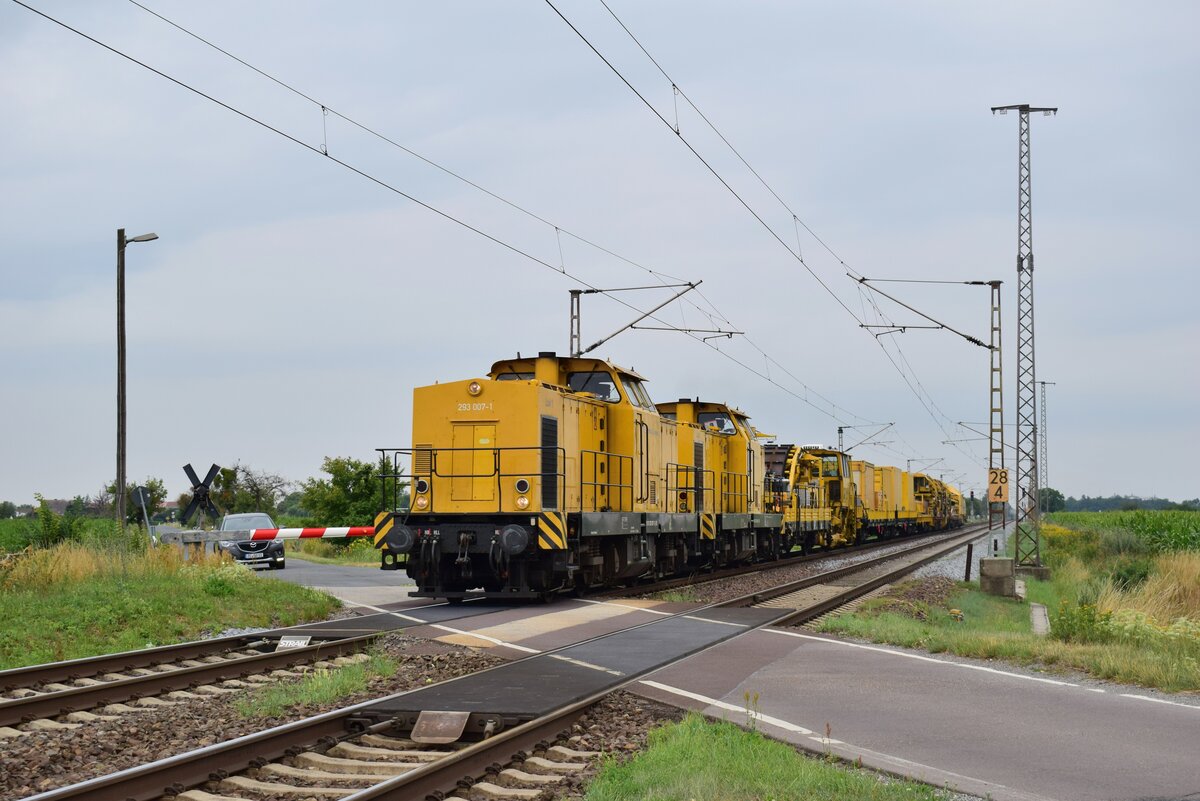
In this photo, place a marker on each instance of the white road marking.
(1159, 701)
(485, 638)
(776, 722)
(589, 665)
(384, 611)
(920, 658)
(718, 622)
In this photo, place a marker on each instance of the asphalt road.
(355, 586)
(981, 727)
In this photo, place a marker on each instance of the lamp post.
(122, 241)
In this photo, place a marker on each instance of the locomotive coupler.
(465, 538)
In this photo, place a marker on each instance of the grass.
(999, 628)
(697, 760)
(360, 552)
(13, 535)
(1124, 603)
(78, 599)
(321, 686)
(680, 595)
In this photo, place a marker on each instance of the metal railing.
(689, 489)
(426, 465)
(599, 482)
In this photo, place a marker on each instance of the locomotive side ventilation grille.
(422, 460)
(549, 462)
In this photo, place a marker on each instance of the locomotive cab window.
(829, 466)
(514, 376)
(628, 384)
(600, 384)
(639, 389)
(716, 421)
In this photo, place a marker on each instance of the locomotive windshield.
(716, 421)
(515, 376)
(636, 393)
(829, 466)
(600, 384)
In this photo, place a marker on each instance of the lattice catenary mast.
(1043, 441)
(997, 510)
(1028, 516)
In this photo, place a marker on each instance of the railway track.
(811, 597)
(720, 574)
(400, 747)
(64, 695)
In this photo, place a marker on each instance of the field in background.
(1124, 603)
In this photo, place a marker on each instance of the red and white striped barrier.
(329, 533)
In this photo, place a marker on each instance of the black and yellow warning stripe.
(383, 524)
(708, 526)
(552, 531)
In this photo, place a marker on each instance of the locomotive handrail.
(699, 502)
(592, 459)
(496, 471)
(735, 495)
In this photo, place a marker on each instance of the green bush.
(1129, 573)
(1080, 623)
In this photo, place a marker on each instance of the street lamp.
(122, 241)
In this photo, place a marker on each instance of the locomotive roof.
(576, 362)
(732, 409)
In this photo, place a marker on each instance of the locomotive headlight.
(422, 486)
(522, 486)
(474, 388)
(421, 502)
(522, 502)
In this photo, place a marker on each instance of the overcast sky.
(291, 305)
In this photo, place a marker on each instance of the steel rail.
(946, 546)
(125, 660)
(697, 579)
(818, 608)
(59, 702)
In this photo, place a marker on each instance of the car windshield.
(246, 522)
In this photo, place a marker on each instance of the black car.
(252, 553)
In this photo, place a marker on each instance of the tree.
(156, 493)
(349, 497)
(292, 505)
(1051, 500)
(7, 509)
(242, 489)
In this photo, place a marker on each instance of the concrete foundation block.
(1004, 586)
(997, 566)
(1041, 573)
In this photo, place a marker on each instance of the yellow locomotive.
(555, 474)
